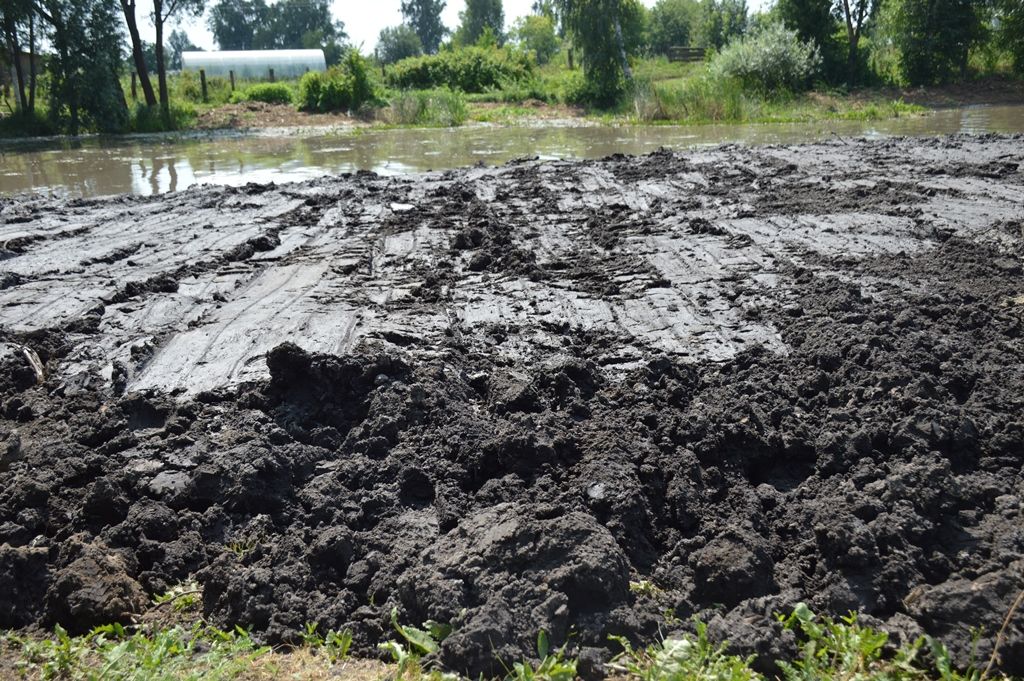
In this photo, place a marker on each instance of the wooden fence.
(686, 53)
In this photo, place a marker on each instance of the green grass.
(111, 653)
(706, 99)
(829, 650)
(427, 108)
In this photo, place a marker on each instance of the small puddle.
(101, 166)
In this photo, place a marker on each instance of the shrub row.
(345, 87)
(470, 69)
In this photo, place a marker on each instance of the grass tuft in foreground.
(829, 650)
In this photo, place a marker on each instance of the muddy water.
(99, 167)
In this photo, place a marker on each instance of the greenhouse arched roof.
(255, 64)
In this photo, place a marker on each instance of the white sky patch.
(363, 19)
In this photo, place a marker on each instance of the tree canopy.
(288, 24)
(672, 23)
(536, 33)
(424, 16)
(934, 37)
(479, 16)
(397, 43)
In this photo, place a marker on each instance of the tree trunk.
(851, 58)
(128, 6)
(12, 41)
(31, 62)
(161, 69)
(628, 72)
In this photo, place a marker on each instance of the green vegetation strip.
(829, 650)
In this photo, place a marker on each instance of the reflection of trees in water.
(158, 164)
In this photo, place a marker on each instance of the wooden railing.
(686, 53)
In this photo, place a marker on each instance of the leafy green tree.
(721, 21)
(284, 25)
(85, 64)
(398, 43)
(425, 18)
(536, 33)
(238, 24)
(13, 14)
(855, 15)
(1010, 34)
(296, 24)
(811, 19)
(479, 16)
(672, 24)
(605, 31)
(814, 21)
(164, 11)
(179, 42)
(934, 37)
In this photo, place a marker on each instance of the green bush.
(773, 58)
(470, 69)
(148, 119)
(345, 87)
(21, 124)
(271, 93)
(442, 108)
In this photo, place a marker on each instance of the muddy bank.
(496, 397)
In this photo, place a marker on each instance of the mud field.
(498, 396)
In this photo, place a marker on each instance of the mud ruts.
(748, 376)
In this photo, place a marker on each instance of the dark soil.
(750, 377)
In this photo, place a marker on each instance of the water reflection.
(96, 167)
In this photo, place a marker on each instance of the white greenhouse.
(255, 64)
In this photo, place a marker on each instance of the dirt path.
(748, 376)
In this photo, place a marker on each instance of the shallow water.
(95, 167)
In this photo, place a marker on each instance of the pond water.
(100, 166)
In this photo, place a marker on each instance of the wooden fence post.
(231, 75)
(271, 75)
(202, 82)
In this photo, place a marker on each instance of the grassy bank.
(824, 650)
(662, 93)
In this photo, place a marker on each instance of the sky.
(363, 19)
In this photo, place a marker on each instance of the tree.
(722, 20)
(288, 24)
(238, 24)
(301, 24)
(138, 55)
(934, 37)
(85, 64)
(672, 24)
(163, 10)
(179, 42)
(1010, 34)
(425, 18)
(398, 43)
(600, 28)
(536, 33)
(855, 14)
(12, 14)
(479, 16)
(814, 20)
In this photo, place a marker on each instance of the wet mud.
(748, 377)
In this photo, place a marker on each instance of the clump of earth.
(569, 396)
